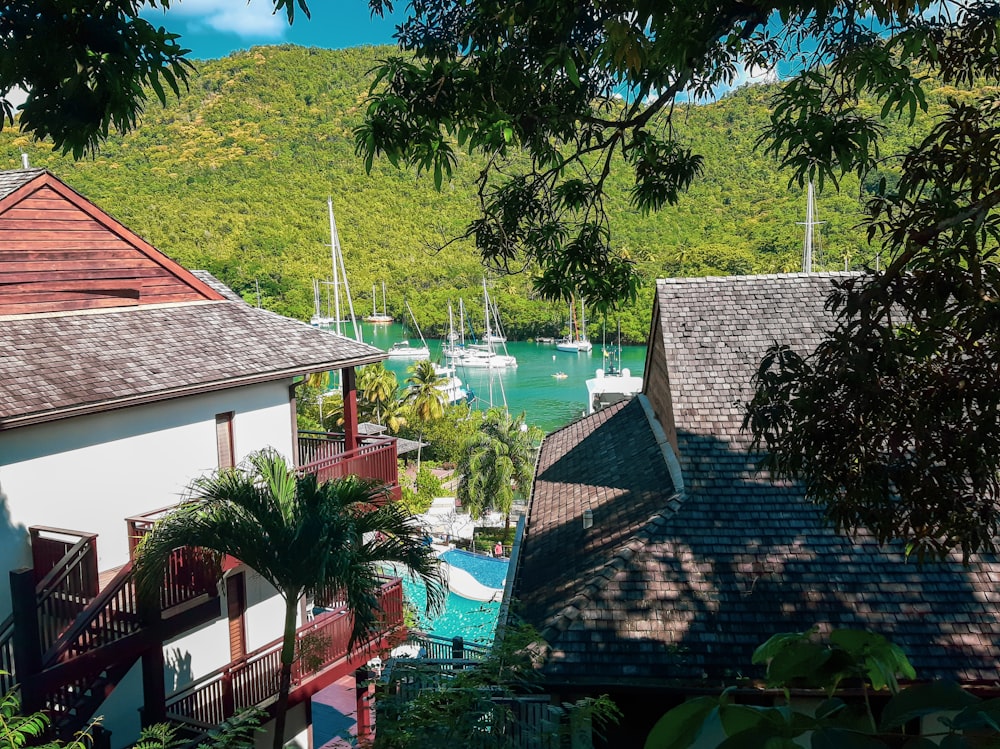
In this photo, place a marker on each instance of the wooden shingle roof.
(734, 558)
(54, 366)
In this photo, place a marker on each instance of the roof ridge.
(759, 277)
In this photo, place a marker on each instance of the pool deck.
(464, 584)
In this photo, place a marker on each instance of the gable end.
(60, 253)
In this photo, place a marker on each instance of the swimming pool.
(487, 570)
(471, 620)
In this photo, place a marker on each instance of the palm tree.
(425, 396)
(394, 413)
(497, 464)
(379, 386)
(301, 536)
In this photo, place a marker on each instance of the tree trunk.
(285, 683)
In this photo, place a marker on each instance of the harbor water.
(547, 401)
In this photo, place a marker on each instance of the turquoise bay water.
(548, 403)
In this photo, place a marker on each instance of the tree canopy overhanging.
(893, 422)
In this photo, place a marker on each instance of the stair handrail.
(97, 605)
(71, 559)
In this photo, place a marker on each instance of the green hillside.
(234, 176)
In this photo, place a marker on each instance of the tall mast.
(810, 223)
(336, 270)
(486, 309)
(383, 299)
(337, 258)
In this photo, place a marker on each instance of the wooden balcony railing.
(252, 681)
(327, 456)
(190, 572)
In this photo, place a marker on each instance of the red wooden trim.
(101, 250)
(100, 273)
(86, 287)
(45, 266)
(47, 180)
(69, 306)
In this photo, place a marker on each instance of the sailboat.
(406, 350)
(484, 355)
(334, 321)
(383, 318)
(576, 341)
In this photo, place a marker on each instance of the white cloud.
(255, 19)
(16, 96)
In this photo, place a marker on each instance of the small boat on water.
(484, 355)
(576, 341)
(406, 350)
(377, 318)
(614, 383)
(560, 375)
(453, 388)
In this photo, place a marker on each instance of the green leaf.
(571, 71)
(924, 699)
(776, 643)
(798, 660)
(680, 727)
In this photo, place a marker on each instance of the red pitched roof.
(59, 252)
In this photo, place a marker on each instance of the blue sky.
(214, 28)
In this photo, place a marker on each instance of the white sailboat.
(484, 355)
(406, 350)
(333, 320)
(576, 341)
(376, 317)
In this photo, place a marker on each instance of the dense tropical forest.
(234, 176)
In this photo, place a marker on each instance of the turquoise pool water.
(487, 570)
(471, 620)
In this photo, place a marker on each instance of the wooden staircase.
(70, 641)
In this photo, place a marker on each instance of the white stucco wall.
(91, 472)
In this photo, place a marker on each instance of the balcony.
(327, 455)
(322, 656)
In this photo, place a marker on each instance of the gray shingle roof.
(56, 365)
(216, 285)
(12, 180)
(737, 558)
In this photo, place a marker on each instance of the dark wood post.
(458, 648)
(154, 690)
(100, 737)
(27, 641)
(364, 691)
(228, 695)
(350, 393)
